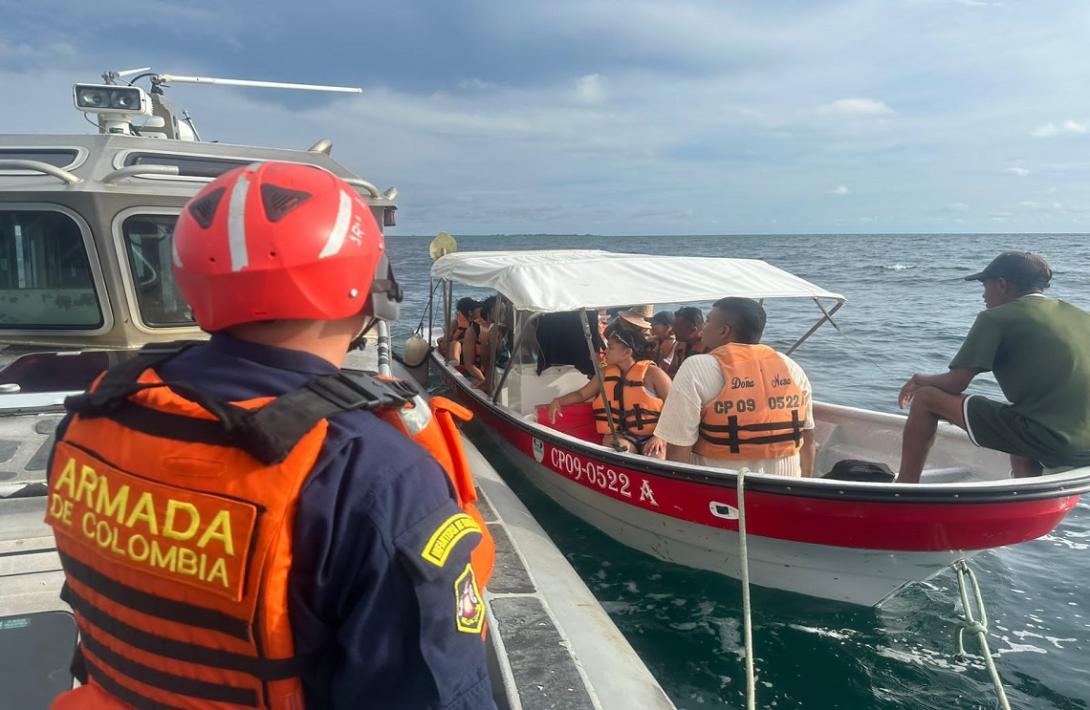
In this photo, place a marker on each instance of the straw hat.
(638, 315)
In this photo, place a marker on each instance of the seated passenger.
(636, 392)
(468, 310)
(662, 334)
(742, 404)
(476, 345)
(688, 324)
(1038, 349)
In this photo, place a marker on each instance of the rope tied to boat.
(976, 624)
(747, 623)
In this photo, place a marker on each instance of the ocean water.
(908, 309)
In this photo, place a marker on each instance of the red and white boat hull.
(851, 542)
(857, 576)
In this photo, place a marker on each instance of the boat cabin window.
(188, 165)
(61, 371)
(60, 157)
(148, 247)
(45, 275)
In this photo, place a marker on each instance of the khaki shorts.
(995, 425)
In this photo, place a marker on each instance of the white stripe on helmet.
(340, 227)
(236, 224)
(175, 256)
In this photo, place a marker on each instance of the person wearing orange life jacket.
(636, 391)
(240, 523)
(467, 311)
(742, 404)
(484, 344)
(688, 325)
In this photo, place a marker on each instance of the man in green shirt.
(1039, 350)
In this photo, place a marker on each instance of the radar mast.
(119, 105)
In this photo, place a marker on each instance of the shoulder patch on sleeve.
(447, 535)
(469, 617)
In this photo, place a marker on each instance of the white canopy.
(548, 281)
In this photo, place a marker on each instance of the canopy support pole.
(431, 313)
(825, 316)
(448, 303)
(598, 373)
(516, 348)
(494, 332)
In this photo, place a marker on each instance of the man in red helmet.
(237, 528)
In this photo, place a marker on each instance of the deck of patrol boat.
(551, 643)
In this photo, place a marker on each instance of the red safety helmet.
(274, 241)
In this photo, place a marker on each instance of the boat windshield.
(148, 245)
(45, 275)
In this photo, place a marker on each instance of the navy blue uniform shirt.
(380, 620)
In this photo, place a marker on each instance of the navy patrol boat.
(86, 280)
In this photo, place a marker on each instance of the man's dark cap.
(1021, 268)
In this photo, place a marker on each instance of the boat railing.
(370, 187)
(137, 170)
(38, 166)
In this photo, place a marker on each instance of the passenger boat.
(855, 542)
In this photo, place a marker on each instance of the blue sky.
(633, 117)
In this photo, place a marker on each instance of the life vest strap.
(154, 605)
(268, 433)
(271, 432)
(732, 428)
(167, 682)
(734, 442)
(122, 692)
(767, 426)
(639, 417)
(265, 669)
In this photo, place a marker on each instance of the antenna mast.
(117, 106)
(161, 79)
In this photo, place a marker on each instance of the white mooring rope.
(980, 628)
(747, 624)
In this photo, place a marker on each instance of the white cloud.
(1067, 127)
(857, 107)
(476, 84)
(727, 108)
(590, 89)
(53, 52)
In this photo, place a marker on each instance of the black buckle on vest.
(360, 393)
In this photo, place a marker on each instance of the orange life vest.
(173, 513)
(635, 410)
(433, 425)
(759, 413)
(461, 325)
